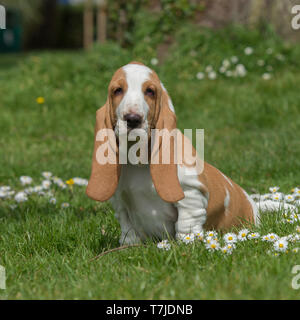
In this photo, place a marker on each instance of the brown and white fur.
(158, 199)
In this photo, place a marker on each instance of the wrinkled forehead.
(135, 75)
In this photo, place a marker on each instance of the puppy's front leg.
(191, 209)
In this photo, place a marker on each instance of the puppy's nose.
(133, 120)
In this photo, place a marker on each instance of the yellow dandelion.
(70, 182)
(40, 100)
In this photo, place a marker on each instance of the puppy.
(158, 199)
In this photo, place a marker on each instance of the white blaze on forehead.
(171, 106)
(133, 100)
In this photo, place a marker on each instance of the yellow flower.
(70, 182)
(40, 100)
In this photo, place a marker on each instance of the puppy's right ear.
(104, 177)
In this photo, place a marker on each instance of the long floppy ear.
(104, 176)
(164, 176)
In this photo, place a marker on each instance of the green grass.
(251, 134)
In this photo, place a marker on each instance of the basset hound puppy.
(156, 199)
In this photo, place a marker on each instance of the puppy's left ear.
(164, 176)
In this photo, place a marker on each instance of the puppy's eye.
(149, 92)
(118, 91)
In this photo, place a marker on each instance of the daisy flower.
(260, 63)
(273, 237)
(209, 68)
(248, 51)
(80, 181)
(242, 236)
(189, 238)
(230, 246)
(21, 197)
(52, 201)
(200, 75)
(199, 235)
(253, 235)
(265, 238)
(226, 250)
(212, 234)
(46, 184)
(234, 59)
(226, 63)
(65, 205)
(154, 61)
(298, 229)
(25, 180)
(280, 245)
(212, 75)
(230, 238)
(289, 198)
(277, 196)
(241, 70)
(274, 189)
(295, 250)
(213, 245)
(266, 76)
(47, 175)
(164, 245)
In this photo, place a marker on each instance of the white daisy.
(230, 238)
(260, 63)
(277, 196)
(266, 76)
(248, 51)
(47, 175)
(241, 70)
(280, 245)
(52, 201)
(25, 180)
(226, 63)
(225, 250)
(200, 75)
(234, 59)
(46, 184)
(213, 245)
(65, 205)
(222, 69)
(209, 68)
(242, 236)
(298, 229)
(21, 197)
(295, 250)
(253, 235)
(212, 234)
(199, 235)
(80, 181)
(154, 61)
(273, 237)
(164, 245)
(289, 198)
(274, 189)
(189, 238)
(212, 75)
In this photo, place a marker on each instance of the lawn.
(252, 130)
